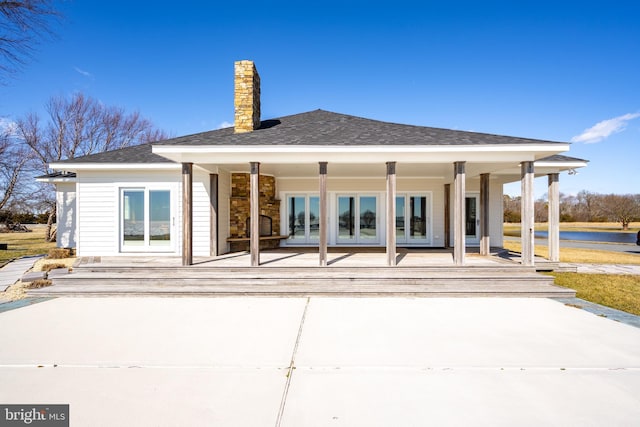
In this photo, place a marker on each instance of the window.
(146, 220)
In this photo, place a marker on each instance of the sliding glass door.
(146, 220)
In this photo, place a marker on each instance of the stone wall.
(240, 209)
(246, 97)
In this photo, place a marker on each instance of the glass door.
(146, 219)
(472, 219)
(413, 219)
(358, 219)
(304, 218)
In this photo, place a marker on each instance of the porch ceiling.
(441, 171)
(350, 162)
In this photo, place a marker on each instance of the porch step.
(306, 281)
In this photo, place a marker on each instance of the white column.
(527, 207)
(485, 239)
(391, 214)
(323, 214)
(554, 217)
(254, 239)
(459, 190)
(187, 214)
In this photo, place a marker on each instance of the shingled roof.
(313, 128)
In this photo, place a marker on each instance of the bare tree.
(22, 24)
(13, 158)
(620, 208)
(79, 126)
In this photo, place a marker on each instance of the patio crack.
(291, 368)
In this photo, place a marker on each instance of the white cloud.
(605, 128)
(224, 124)
(83, 72)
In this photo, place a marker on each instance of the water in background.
(593, 236)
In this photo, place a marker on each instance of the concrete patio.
(321, 361)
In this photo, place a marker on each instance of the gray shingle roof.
(561, 159)
(135, 154)
(317, 127)
(321, 127)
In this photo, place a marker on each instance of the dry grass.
(588, 256)
(621, 292)
(37, 284)
(48, 264)
(24, 244)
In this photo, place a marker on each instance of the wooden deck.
(293, 273)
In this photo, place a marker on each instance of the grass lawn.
(23, 244)
(588, 256)
(621, 292)
(513, 229)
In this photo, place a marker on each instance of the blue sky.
(561, 70)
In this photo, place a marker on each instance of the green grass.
(621, 292)
(587, 256)
(24, 244)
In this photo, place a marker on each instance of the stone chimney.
(246, 97)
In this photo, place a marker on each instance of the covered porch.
(447, 182)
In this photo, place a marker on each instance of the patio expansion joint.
(292, 364)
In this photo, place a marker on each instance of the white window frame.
(146, 246)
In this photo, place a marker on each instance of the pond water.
(593, 236)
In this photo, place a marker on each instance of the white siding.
(66, 215)
(97, 219)
(201, 213)
(98, 211)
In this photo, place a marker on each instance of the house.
(317, 178)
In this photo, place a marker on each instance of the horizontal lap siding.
(97, 220)
(201, 214)
(98, 207)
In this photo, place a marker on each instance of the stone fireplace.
(240, 212)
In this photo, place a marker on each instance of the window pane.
(346, 217)
(418, 217)
(159, 218)
(400, 217)
(314, 217)
(297, 217)
(133, 214)
(368, 217)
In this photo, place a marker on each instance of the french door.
(358, 219)
(472, 219)
(303, 218)
(413, 219)
(146, 220)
